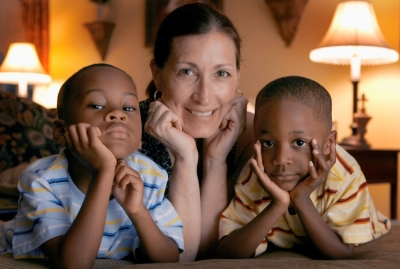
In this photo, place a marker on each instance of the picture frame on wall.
(157, 10)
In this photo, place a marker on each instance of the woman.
(197, 118)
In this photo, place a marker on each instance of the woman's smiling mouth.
(202, 114)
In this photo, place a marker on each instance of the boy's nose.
(282, 156)
(115, 115)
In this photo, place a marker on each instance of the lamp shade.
(22, 66)
(354, 31)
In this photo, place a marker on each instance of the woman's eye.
(223, 74)
(267, 144)
(300, 143)
(186, 72)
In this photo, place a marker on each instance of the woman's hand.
(233, 124)
(165, 126)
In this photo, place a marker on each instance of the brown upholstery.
(381, 253)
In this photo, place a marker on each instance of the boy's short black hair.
(66, 95)
(301, 90)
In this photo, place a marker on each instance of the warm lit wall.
(265, 57)
(11, 29)
(73, 48)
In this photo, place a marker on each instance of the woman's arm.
(184, 191)
(214, 184)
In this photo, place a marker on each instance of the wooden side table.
(380, 166)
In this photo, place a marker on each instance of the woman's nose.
(203, 92)
(116, 115)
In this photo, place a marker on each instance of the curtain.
(35, 16)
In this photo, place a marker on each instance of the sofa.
(384, 252)
(25, 135)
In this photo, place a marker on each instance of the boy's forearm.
(155, 245)
(78, 248)
(242, 243)
(326, 241)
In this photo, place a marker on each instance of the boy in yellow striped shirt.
(300, 188)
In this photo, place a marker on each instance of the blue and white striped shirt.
(50, 201)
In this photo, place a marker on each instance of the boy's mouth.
(283, 177)
(117, 130)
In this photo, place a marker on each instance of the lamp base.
(357, 140)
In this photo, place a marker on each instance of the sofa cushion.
(25, 131)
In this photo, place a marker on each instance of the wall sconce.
(100, 30)
(354, 38)
(22, 66)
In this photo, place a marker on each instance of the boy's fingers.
(257, 149)
(313, 171)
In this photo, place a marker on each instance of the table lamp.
(354, 38)
(22, 66)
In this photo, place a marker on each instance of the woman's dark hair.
(190, 19)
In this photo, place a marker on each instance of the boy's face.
(285, 129)
(107, 98)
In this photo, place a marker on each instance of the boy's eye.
(222, 74)
(300, 143)
(129, 109)
(96, 106)
(267, 143)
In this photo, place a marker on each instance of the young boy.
(98, 198)
(301, 188)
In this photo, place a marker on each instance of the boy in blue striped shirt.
(98, 198)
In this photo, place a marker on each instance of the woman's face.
(199, 81)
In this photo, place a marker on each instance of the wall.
(265, 57)
(11, 27)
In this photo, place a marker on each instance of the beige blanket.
(381, 253)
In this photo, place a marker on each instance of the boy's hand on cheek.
(83, 141)
(128, 188)
(279, 196)
(318, 172)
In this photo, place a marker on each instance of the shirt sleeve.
(349, 209)
(244, 207)
(162, 211)
(40, 216)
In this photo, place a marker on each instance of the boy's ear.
(331, 139)
(58, 131)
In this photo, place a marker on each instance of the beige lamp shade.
(354, 32)
(22, 66)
